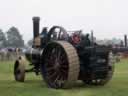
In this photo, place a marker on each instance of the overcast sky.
(108, 18)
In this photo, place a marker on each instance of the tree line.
(11, 38)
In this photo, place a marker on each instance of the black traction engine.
(63, 57)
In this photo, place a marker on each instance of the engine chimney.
(125, 40)
(36, 38)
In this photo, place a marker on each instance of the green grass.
(35, 86)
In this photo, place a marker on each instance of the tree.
(14, 39)
(2, 39)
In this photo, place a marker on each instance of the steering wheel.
(57, 33)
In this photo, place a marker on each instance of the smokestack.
(125, 40)
(36, 37)
(36, 26)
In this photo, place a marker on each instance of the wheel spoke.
(64, 72)
(64, 66)
(52, 75)
(50, 69)
(56, 79)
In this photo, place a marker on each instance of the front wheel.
(19, 70)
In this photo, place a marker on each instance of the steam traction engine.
(62, 58)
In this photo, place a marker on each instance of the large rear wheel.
(60, 64)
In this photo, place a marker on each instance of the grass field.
(34, 85)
